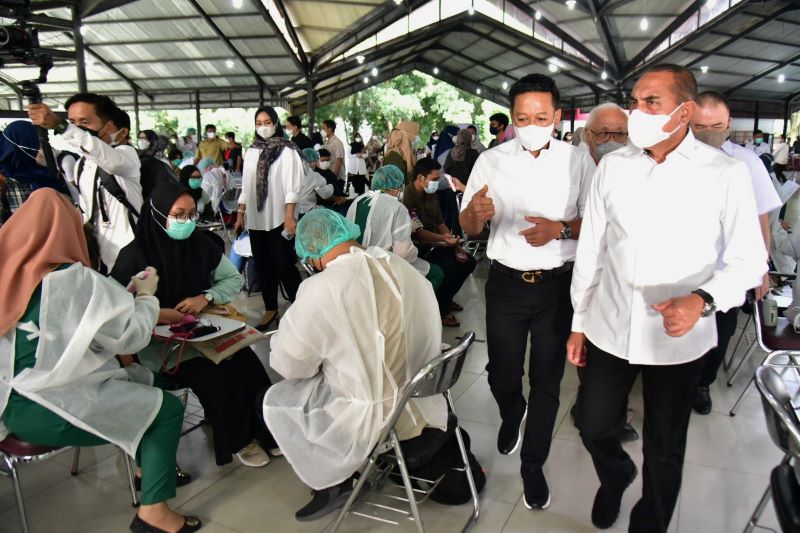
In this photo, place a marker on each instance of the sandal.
(190, 524)
(181, 479)
(450, 321)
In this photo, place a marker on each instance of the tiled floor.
(727, 464)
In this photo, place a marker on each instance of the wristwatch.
(61, 127)
(710, 306)
(208, 297)
(566, 232)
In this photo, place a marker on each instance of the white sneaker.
(275, 452)
(253, 455)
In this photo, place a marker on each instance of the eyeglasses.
(603, 136)
(184, 217)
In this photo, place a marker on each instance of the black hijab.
(184, 267)
(356, 147)
(186, 173)
(271, 150)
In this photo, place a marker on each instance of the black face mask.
(493, 130)
(93, 133)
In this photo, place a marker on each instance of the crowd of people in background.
(380, 224)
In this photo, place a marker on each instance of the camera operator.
(108, 172)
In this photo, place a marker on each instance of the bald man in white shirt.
(711, 124)
(648, 277)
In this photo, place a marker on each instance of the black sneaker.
(701, 403)
(605, 509)
(510, 435)
(325, 501)
(628, 433)
(536, 494)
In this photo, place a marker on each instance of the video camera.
(19, 42)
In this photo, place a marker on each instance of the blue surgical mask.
(176, 162)
(180, 230)
(432, 187)
(194, 183)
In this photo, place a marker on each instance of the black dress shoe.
(264, 326)
(326, 501)
(190, 524)
(701, 403)
(510, 435)
(607, 501)
(536, 493)
(628, 433)
(181, 479)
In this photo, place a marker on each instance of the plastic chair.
(783, 426)
(776, 340)
(15, 451)
(436, 377)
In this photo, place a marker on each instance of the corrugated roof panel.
(259, 46)
(308, 17)
(277, 66)
(317, 37)
(144, 31)
(145, 9)
(244, 25)
(219, 7)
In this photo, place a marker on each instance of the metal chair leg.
(728, 363)
(762, 504)
(362, 480)
(741, 363)
(401, 464)
(476, 511)
(741, 396)
(131, 478)
(12, 471)
(76, 457)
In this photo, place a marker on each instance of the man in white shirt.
(336, 148)
(108, 170)
(758, 144)
(669, 235)
(532, 188)
(711, 124)
(780, 154)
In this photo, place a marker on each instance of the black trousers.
(275, 259)
(359, 182)
(726, 327)
(455, 274)
(778, 168)
(516, 310)
(668, 391)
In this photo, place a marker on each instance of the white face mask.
(211, 134)
(324, 165)
(116, 138)
(143, 144)
(606, 148)
(265, 132)
(646, 131)
(474, 137)
(533, 137)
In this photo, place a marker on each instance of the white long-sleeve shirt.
(120, 161)
(284, 179)
(780, 153)
(553, 185)
(767, 198)
(311, 185)
(652, 232)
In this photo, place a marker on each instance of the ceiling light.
(229, 63)
(360, 59)
(374, 71)
(704, 69)
(478, 90)
(644, 24)
(471, 10)
(436, 70)
(505, 85)
(84, 29)
(603, 75)
(781, 78)
(552, 67)
(571, 3)
(366, 79)
(237, 4)
(537, 15)
(398, 2)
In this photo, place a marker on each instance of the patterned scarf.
(271, 149)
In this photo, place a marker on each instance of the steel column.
(80, 63)
(136, 110)
(312, 119)
(197, 113)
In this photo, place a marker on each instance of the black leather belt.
(532, 276)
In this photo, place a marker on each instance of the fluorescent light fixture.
(229, 63)
(704, 69)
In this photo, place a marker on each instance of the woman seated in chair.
(194, 274)
(192, 179)
(356, 334)
(61, 324)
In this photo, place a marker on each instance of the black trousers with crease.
(275, 263)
